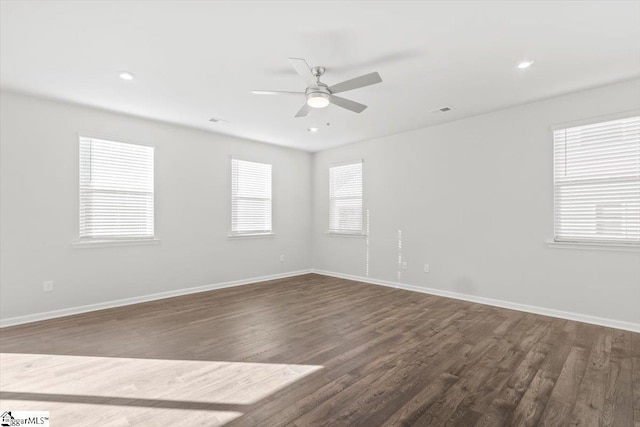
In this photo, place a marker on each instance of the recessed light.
(313, 129)
(524, 64)
(126, 76)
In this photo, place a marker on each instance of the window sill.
(251, 236)
(593, 246)
(338, 234)
(114, 242)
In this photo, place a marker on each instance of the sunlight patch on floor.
(123, 391)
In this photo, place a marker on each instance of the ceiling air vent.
(441, 110)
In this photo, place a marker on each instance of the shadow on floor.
(120, 401)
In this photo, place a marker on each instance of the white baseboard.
(610, 323)
(18, 320)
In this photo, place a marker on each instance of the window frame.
(108, 241)
(253, 234)
(584, 244)
(347, 233)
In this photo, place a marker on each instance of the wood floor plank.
(636, 390)
(533, 402)
(565, 391)
(589, 405)
(376, 387)
(502, 408)
(618, 404)
(316, 350)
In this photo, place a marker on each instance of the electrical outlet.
(426, 268)
(404, 265)
(47, 286)
(281, 258)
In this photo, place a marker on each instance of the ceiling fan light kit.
(318, 94)
(318, 99)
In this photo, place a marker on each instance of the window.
(597, 182)
(345, 198)
(116, 190)
(250, 198)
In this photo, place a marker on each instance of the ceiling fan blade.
(358, 82)
(354, 106)
(303, 111)
(303, 70)
(275, 92)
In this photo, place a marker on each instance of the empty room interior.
(320, 213)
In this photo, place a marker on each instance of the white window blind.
(597, 182)
(250, 197)
(345, 198)
(116, 190)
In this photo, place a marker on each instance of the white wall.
(39, 210)
(474, 199)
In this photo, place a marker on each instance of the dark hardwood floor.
(315, 350)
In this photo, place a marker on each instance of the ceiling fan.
(318, 94)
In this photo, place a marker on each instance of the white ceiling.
(195, 60)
